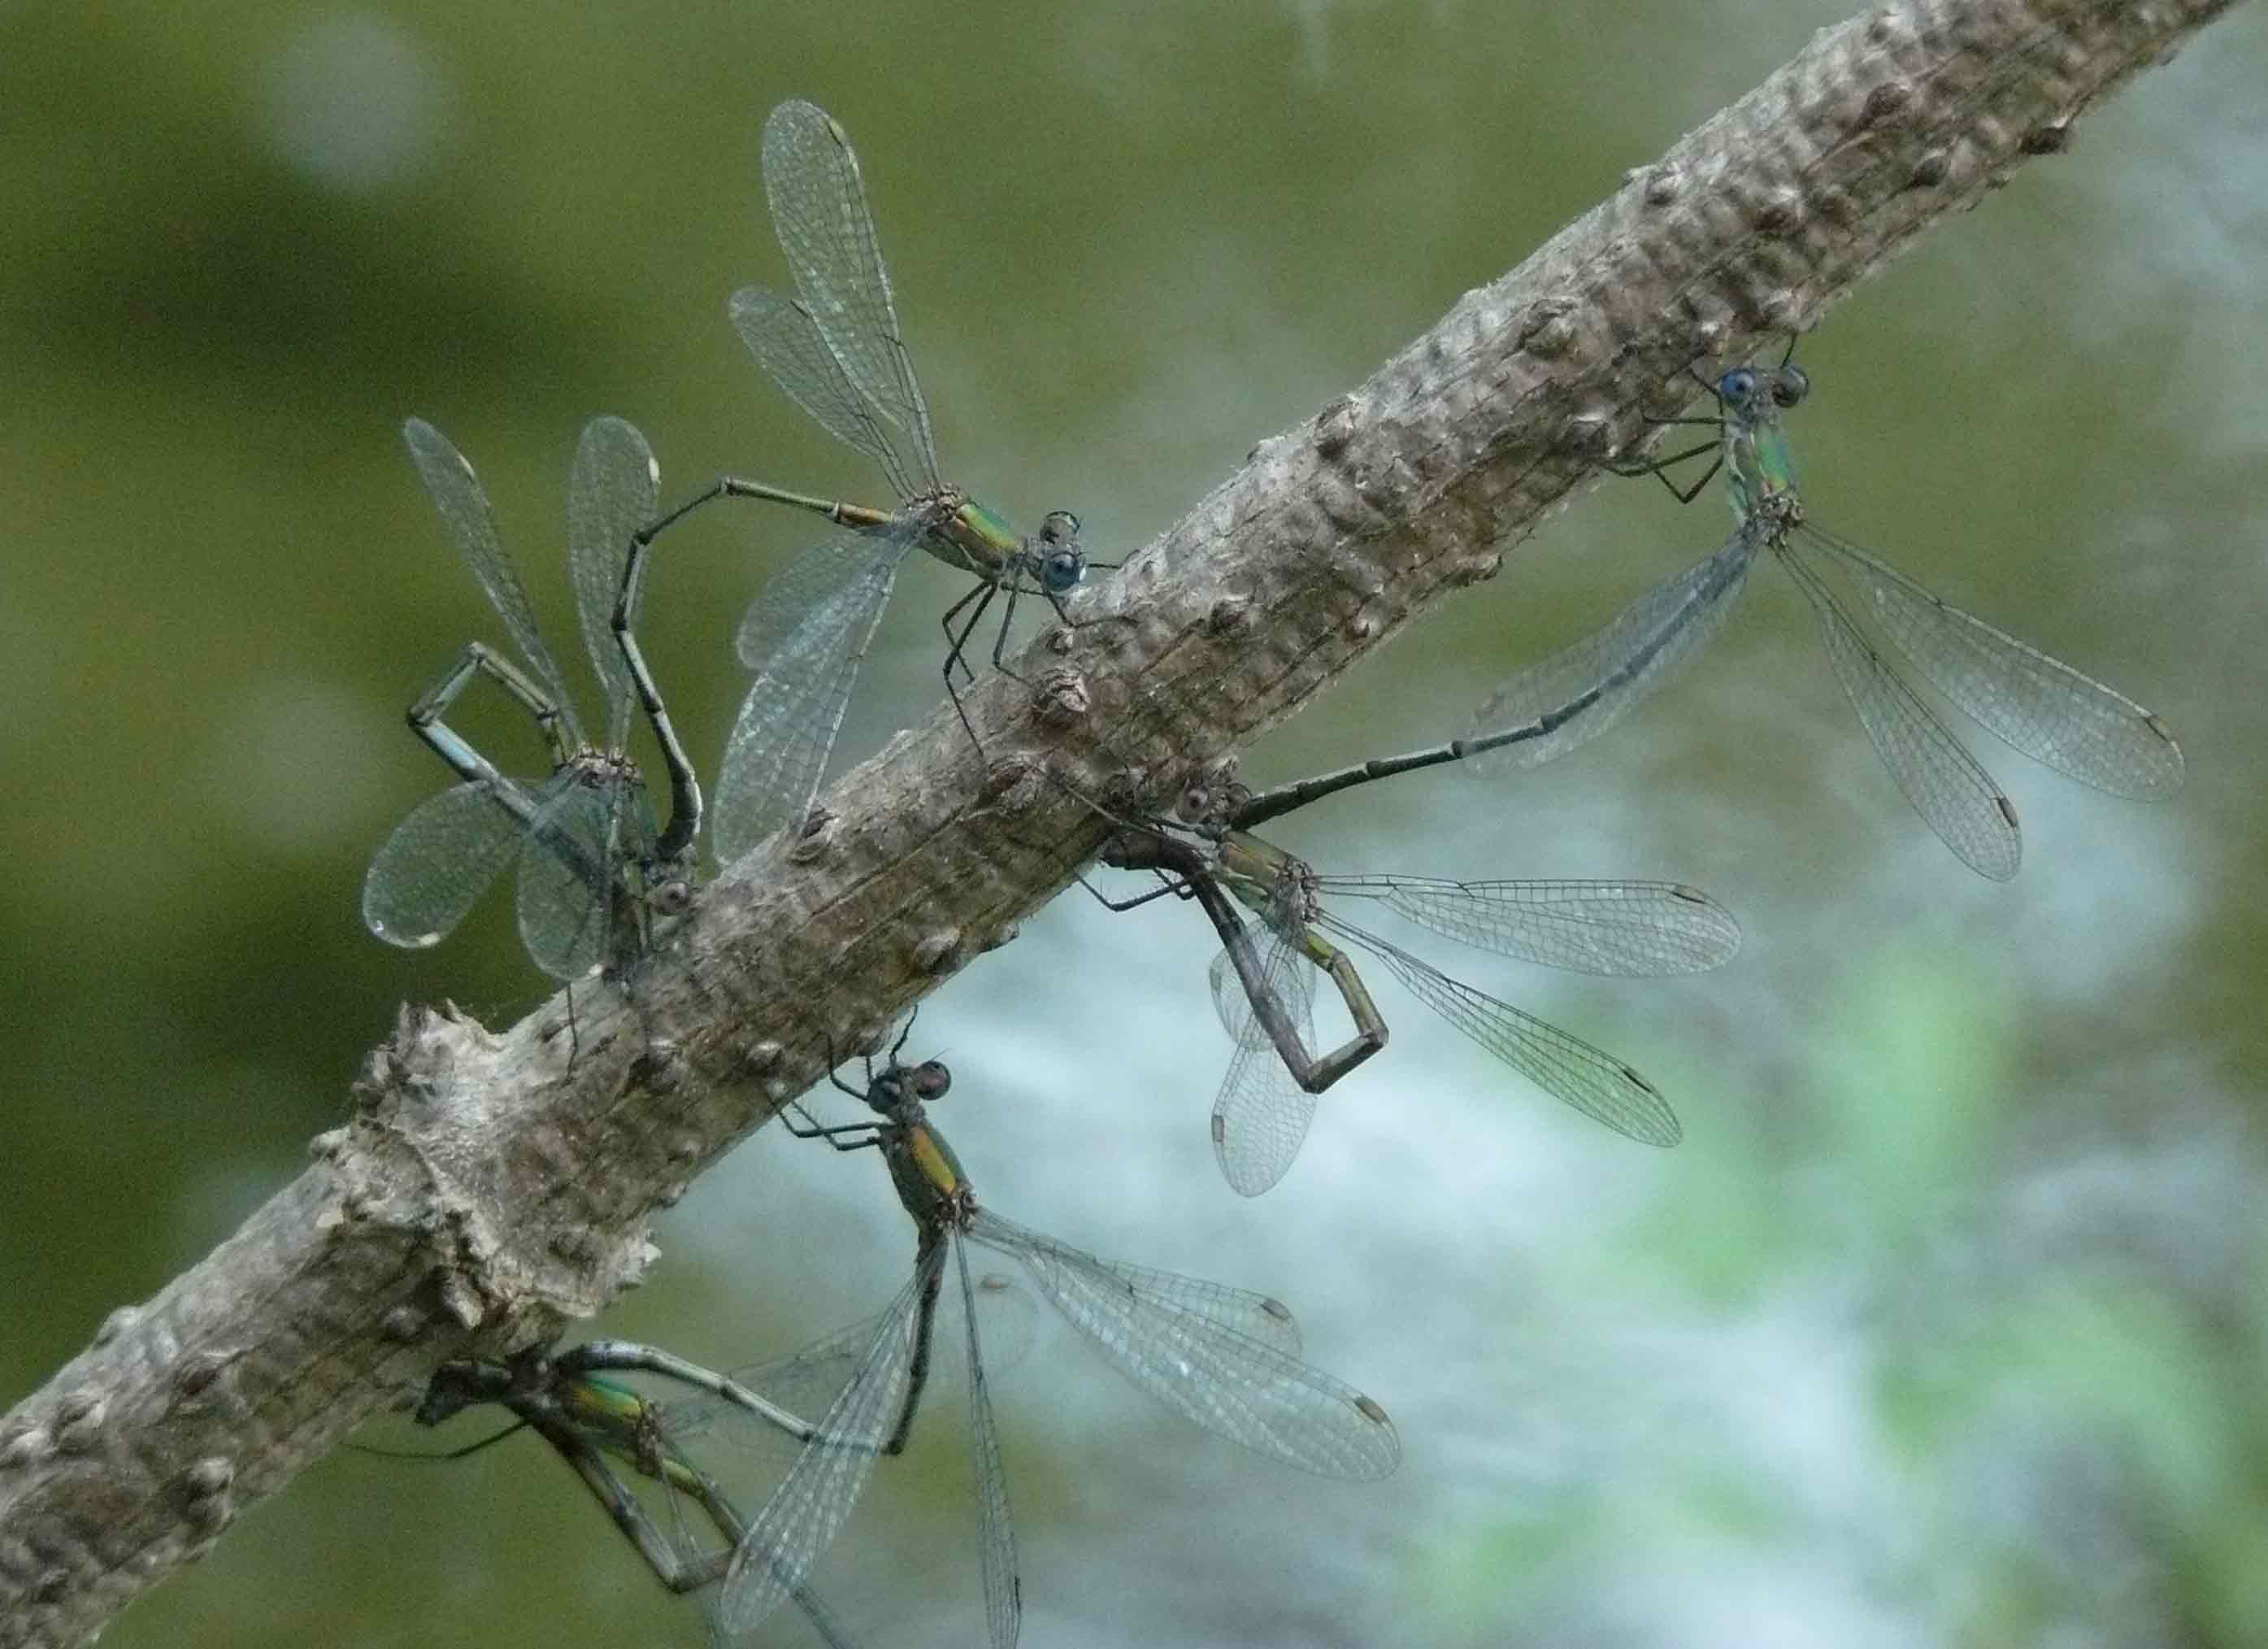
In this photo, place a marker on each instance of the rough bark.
(491, 1186)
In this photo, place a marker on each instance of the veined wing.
(1610, 928)
(2043, 706)
(800, 601)
(1233, 1385)
(777, 752)
(457, 493)
(1947, 785)
(788, 344)
(1568, 1067)
(1260, 1118)
(577, 848)
(1288, 973)
(612, 491)
(808, 1381)
(441, 859)
(808, 1509)
(1590, 686)
(827, 230)
(1244, 1311)
(1004, 1603)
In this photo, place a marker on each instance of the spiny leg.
(869, 1132)
(980, 594)
(976, 601)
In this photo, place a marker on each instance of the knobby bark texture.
(490, 1185)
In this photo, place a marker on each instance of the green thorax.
(1268, 881)
(964, 534)
(603, 1405)
(1759, 466)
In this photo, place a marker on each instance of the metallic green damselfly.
(2042, 706)
(1225, 1359)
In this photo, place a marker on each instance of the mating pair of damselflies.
(835, 349)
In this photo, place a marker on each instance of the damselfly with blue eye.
(2043, 708)
(835, 349)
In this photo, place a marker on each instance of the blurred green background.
(1946, 1326)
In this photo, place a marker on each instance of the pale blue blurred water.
(1943, 1325)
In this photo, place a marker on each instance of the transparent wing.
(1234, 1386)
(612, 491)
(808, 1509)
(1599, 1085)
(1261, 1116)
(1260, 1119)
(786, 731)
(1288, 973)
(1592, 685)
(576, 849)
(1611, 927)
(1246, 1311)
(440, 860)
(1010, 1318)
(1004, 1606)
(1947, 785)
(2043, 708)
(814, 588)
(457, 493)
(806, 1381)
(827, 230)
(809, 1381)
(788, 344)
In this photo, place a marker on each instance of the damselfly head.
(1211, 797)
(901, 1084)
(1746, 389)
(456, 1387)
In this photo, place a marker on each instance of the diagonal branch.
(490, 1185)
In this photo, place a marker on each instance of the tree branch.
(491, 1186)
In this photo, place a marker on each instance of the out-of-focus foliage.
(1946, 1323)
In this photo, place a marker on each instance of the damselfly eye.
(1063, 571)
(1737, 385)
(1059, 526)
(1791, 385)
(929, 1080)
